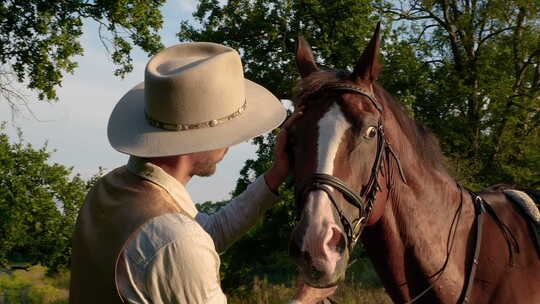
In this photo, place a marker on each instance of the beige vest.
(119, 204)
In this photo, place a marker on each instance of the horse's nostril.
(336, 241)
(316, 273)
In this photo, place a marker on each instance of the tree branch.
(406, 15)
(521, 72)
(434, 61)
(417, 40)
(11, 95)
(493, 34)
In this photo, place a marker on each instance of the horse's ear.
(368, 66)
(305, 62)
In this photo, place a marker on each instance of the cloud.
(187, 5)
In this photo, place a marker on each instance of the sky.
(76, 125)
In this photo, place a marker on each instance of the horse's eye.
(370, 133)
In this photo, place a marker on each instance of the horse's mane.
(426, 144)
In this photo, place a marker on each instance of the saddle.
(529, 209)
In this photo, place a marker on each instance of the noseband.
(364, 199)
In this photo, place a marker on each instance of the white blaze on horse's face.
(323, 233)
(332, 127)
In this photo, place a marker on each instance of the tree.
(40, 38)
(265, 32)
(484, 57)
(39, 203)
(470, 70)
(210, 207)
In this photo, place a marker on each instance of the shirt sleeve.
(239, 215)
(170, 260)
(185, 273)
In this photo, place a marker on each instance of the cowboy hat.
(194, 98)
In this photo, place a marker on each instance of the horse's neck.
(412, 236)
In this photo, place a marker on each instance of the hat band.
(200, 125)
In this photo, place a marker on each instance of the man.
(139, 237)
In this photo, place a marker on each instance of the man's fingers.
(298, 112)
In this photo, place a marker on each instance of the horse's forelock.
(313, 83)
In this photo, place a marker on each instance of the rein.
(480, 208)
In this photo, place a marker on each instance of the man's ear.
(305, 62)
(368, 66)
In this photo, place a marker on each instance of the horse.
(363, 169)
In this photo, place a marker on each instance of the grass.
(33, 287)
(264, 293)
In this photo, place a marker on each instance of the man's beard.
(205, 169)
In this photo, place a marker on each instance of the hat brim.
(129, 132)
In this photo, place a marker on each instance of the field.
(265, 293)
(33, 287)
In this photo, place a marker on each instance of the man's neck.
(179, 167)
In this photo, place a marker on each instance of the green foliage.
(33, 287)
(468, 70)
(39, 39)
(263, 292)
(13, 289)
(210, 207)
(265, 32)
(39, 203)
(480, 88)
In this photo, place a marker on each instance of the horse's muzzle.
(318, 245)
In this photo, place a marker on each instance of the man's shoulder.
(162, 231)
(122, 180)
(118, 174)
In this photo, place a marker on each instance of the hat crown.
(194, 84)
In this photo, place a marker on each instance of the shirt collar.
(145, 169)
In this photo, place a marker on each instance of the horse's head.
(338, 149)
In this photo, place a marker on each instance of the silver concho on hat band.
(184, 127)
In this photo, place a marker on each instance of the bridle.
(363, 200)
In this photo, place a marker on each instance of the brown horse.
(362, 165)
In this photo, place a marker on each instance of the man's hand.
(311, 295)
(280, 168)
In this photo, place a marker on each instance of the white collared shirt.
(174, 259)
